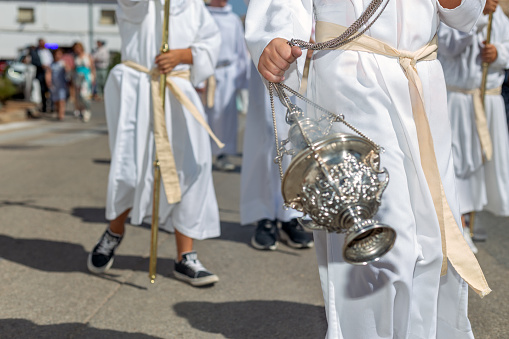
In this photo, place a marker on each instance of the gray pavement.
(52, 190)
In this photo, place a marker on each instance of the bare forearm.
(186, 56)
(167, 61)
(450, 3)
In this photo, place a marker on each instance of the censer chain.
(337, 117)
(350, 33)
(279, 157)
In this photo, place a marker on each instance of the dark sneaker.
(223, 164)
(101, 257)
(265, 237)
(190, 270)
(294, 235)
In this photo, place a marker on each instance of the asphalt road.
(52, 190)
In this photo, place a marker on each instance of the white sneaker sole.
(263, 248)
(211, 279)
(98, 270)
(286, 238)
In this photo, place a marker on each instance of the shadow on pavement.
(102, 161)
(18, 147)
(232, 231)
(57, 256)
(22, 328)
(87, 214)
(256, 319)
(90, 214)
(30, 204)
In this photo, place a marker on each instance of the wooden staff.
(485, 66)
(157, 171)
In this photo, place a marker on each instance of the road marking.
(53, 134)
(64, 139)
(17, 125)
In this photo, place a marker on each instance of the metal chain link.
(337, 117)
(279, 157)
(347, 35)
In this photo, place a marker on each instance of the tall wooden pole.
(157, 171)
(485, 66)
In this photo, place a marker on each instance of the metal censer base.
(338, 183)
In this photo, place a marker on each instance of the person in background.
(261, 201)
(42, 59)
(56, 80)
(83, 79)
(101, 58)
(188, 203)
(231, 75)
(30, 73)
(481, 151)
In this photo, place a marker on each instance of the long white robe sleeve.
(129, 118)
(402, 295)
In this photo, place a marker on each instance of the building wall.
(65, 22)
(59, 22)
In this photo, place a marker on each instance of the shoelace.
(106, 245)
(195, 265)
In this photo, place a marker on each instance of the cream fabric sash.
(163, 147)
(454, 246)
(210, 91)
(480, 116)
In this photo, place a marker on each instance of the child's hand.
(490, 7)
(489, 53)
(276, 59)
(166, 62)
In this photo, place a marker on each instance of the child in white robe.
(194, 42)
(482, 183)
(403, 295)
(231, 76)
(261, 201)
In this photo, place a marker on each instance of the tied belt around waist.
(163, 147)
(454, 246)
(480, 116)
(211, 85)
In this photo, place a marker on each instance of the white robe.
(129, 117)
(260, 186)
(402, 295)
(231, 75)
(478, 186)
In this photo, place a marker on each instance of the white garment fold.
(402, 295)
(129, 118)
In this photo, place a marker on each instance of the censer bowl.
(338, 183)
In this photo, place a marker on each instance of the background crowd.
(55, 75)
